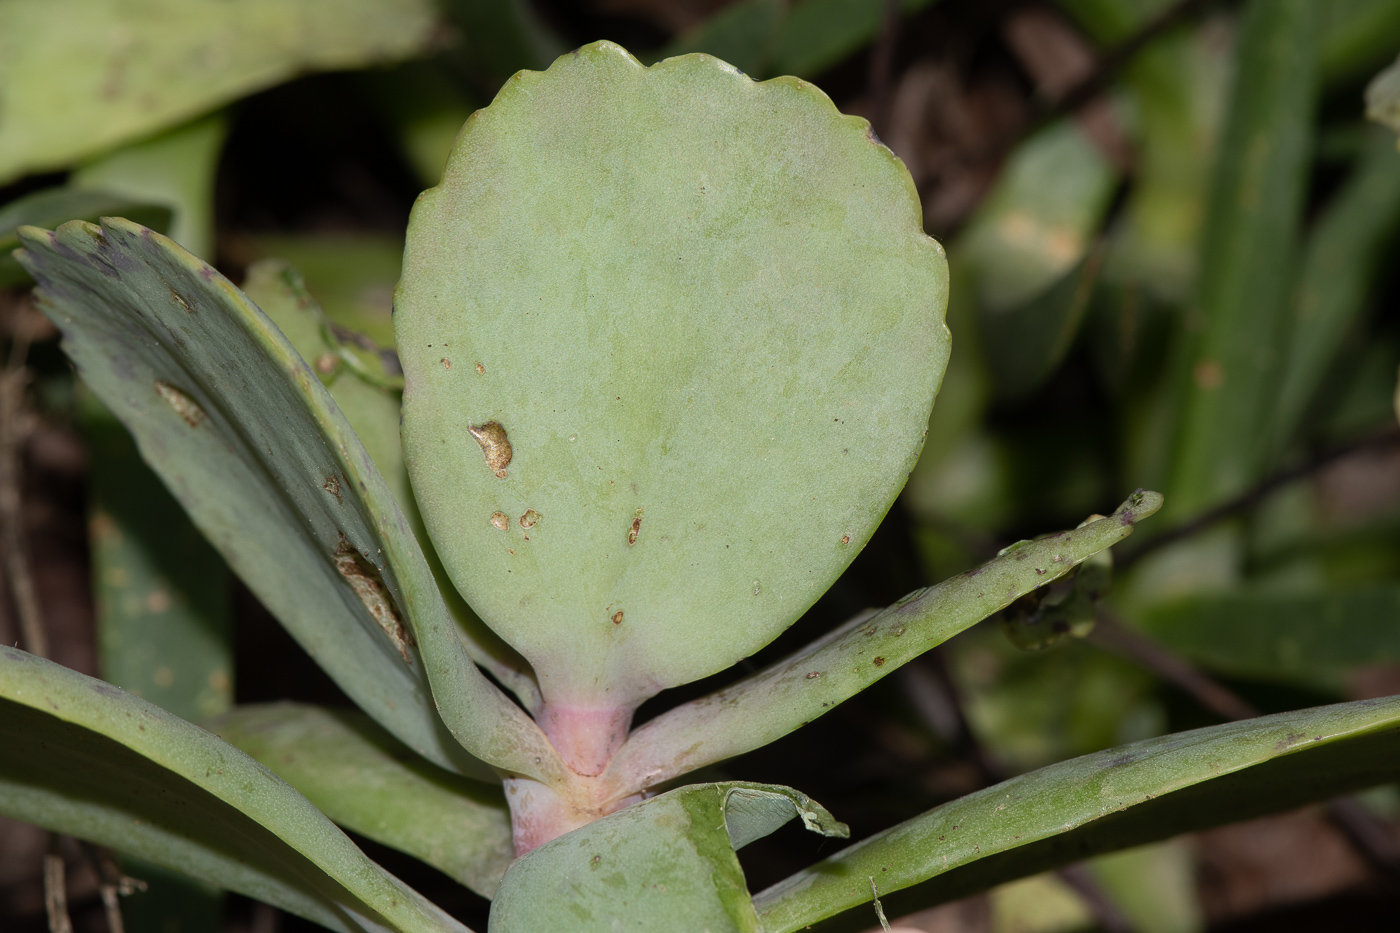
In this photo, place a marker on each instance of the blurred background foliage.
(1172, 231)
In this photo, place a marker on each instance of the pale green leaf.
(373, 413)
(705, 317)
(253, 447)
(50, 207)
(81, 76)
(1110, 800)
(1248, 260)
(85, 758)
(365, 780)
(819, 34)
(795, 691)
(176, 168)
(666, 865)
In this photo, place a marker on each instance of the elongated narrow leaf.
(819, 34)
(666, 865)
(670, 339)
(81, 76)
(1357, 37)
(1098, 803)
(365, 780)
(1309, 638)
(1248, 258)
(742, 34)
(1344, 253)
(790, 694)
(248, 440)
(83, 757)
(373, 412)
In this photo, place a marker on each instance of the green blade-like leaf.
(175, 168)
(373, 413)
(1358, 36)
(1248, 259)
(707, 323)
(81, 76)
(53, 206)
(248, 440)
(1110, 800)
(793, 692)
(365, 780)
(666, 865)
(1344, 253)
(85, 758)
(162, 592)
(1306, 638)
(818, 34)
(742, 34)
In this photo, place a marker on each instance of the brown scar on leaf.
(636, 528)
(495, 446)
(326, 363)
(186, 407)
(617, 617)
(501, 520)
(180, 300)
(364, 578)
(529, 519)
(480, 370)
(332, 486)
(845, 539)
(446, 363)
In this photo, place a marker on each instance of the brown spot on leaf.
(446, 363)
(364, 578)
(879, 662)
(617, 617)
(636, 528)
(529, 519)
(180, 300)
(845, 539)
(813, 675)
(332, 486)
(495, 446)
(501, 520)
(326, 363)
(480, 370)
(186, 407)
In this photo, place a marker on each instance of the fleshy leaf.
(85, 758)
(1099, 803)
(793, 692)
(365, 780)
(81, 76)
(50, 207)
(670, 340)
(665, 865)
(250, 443)
(373, 413)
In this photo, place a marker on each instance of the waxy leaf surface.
(1109, 800)
(365, 780)
(665, 865)
(248, 440)
(85, 758)
(705, 317)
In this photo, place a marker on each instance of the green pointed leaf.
(666, 865)
(819, 34)
(81, 76)
(176, 168)
(742, 34)
(1345, 252)
(253, 447)
(83, 757)
(1358, 36)
(1307, 638)
(373, 413)
(1110, 800)
(1248, 259)
(795, 691)
(709, 328)
(161, 591)
(365, 780)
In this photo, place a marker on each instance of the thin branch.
(56, 888)
(882, 67)
(1252, 497)
(113, 884)
(13, 428)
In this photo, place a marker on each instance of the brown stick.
(12, 538)
(56, 889)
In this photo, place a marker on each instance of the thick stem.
(539, 813)
(587, 737)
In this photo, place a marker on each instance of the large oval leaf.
(82, 757)
(704, 316)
